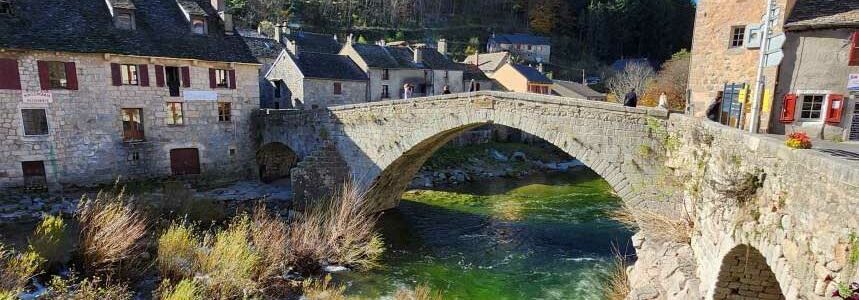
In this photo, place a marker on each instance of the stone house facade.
(528, 47)
(818, 82)
(523, 79)
(725, 50)
(89, 106)
(390, 68)
(313, 80)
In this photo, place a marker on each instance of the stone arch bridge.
(767, 222)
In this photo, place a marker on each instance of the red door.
(185, 161)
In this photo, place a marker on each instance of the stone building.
(488, 62)
(523, 79)
(306, 79)
(576, 90)
(266, 50)
(818, 82)
(94, 90)
(528, 47)
(725, 51)
(390, 69)
(473, 79)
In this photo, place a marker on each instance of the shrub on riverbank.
(616, 285)
(16, 269)
(177, 252)
(419, 292)
(656, 224)
(112, 232)
(50, 241)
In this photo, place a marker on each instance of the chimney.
(228, 21)
(218, 5)
(292, 46)
(442, 46)
(381, 43)
(419, 55)
(278, 33)
(349, 39)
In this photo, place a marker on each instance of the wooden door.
(185, 161)
(34, 174)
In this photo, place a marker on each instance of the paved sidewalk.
(844, 150)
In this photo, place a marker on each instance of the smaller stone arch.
(274, 161)
(745, 274)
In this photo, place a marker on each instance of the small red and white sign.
(40, 97)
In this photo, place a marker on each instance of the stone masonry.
(85, 141)
(744, 194)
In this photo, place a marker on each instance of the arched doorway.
(745, 274)
(275, 160)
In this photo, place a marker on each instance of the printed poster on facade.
(40, 97)
(853, 83)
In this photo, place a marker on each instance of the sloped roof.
(328, 66)
(85, 26)
(405, 58)
(192, 7)
(315, 42)
(470, 72)
(402, 58)
(823, 14)
(574, 89)
(520, 38)
(488, 62)
(263, 47)
(376, 56)
(533, 75)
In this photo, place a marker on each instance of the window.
(224, 112)
(338, 88)
(5, 7)
(9, 78)
(34, 174)
(174, 113)
(854, 50)
(385, 94)
(386, 74)
(132, 124)
(232, 152)
(529, 47)
(134, 156)
(125, 21)
(198, 26)
(277, 87)
(812, 105)
(221, 78)
(57, 75)
(738, 35)
(35, 121)
(129, 74)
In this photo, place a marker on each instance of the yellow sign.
(767, 104)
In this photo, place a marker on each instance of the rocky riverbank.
(459, 164)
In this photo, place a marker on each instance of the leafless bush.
(111, 233)
(656, 224)
(636, 75)
(420, 292)
(270, 237)
(616, 285)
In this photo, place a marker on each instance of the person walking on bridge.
(631, 99)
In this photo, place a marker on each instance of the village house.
(390, 69)
(305, 79)
(523, 79)
(473, 79)
(725, 55)
(528, 47)
(488, 62)
(95, 90)
(818, 82)
(266, 50)
(576, 90)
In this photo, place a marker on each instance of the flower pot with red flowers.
(798, 140)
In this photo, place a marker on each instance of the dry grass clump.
(50, 241)
(185, 290)
(656, 224)
(88, 289)
(269, 235)
(314, 289)
(420, 292)
(230, 262)
(112, 233)
(338, 231)
(616, 286)
(16, 269)
(177, 252)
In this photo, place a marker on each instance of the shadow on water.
(576, 175)
(550, 239)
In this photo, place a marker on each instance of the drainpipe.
(759, 79)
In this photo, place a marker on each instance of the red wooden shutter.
(212, 78)
(115, 74)
(834, 108)
(143, 74)
(9, 77)
(44, 76)
(159, 75)
(186, 76)
(788, 108)
(71, 76)
(232, 74)
(854, 50)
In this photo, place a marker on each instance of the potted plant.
(798, 140)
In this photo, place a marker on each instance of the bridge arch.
(745, 273)
(274, 161)
(386, 143)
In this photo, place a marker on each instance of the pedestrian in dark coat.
(631, 99)
(714, 108)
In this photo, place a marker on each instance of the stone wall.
(85, 141)
(320, 92)
(746, 275)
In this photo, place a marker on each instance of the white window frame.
(800, 95)
(47, 121)
(742, 41)
(125, 73)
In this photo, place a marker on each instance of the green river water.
(543, 237)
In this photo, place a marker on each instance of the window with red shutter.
(854, 49)
(57, 75)
(71, 76)
(186, 76)
(9, 77)
(144, 74)
(212, 83)
(788, 108)
(115, 75)
(159, 76)
(232, 75)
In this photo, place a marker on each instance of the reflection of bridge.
(758, 207)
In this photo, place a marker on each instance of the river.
(542, 237)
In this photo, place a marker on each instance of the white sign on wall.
(853, 82)
(40, 97)
(200, 96)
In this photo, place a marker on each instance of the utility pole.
(759, 79)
